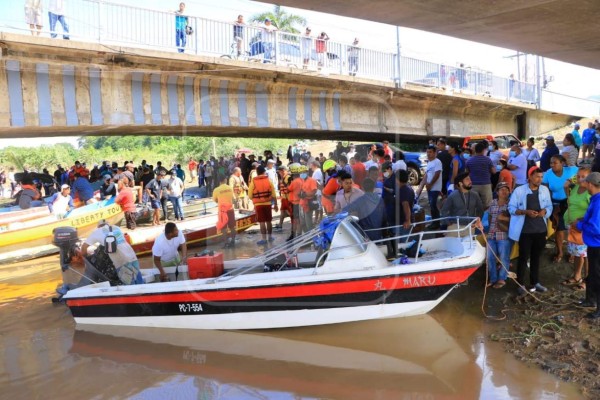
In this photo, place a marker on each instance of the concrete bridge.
(60, 88)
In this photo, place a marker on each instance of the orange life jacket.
(262, 190)
(283, 186)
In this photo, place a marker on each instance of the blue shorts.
(155, 204)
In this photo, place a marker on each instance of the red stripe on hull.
(286, 291)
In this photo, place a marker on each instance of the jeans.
(531, 247)
(60, 18)
(353, 65)
(177, 206)
(269, 53)
(502, 249)
(180, 40)
(433, 195)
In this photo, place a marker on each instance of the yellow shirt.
(223, 194)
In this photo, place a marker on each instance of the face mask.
(466, 156)
(386, 174)
(303, 176)
(491, 148)
(512, 153)
(499, 168)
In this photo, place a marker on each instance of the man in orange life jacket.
(262, 193)
(294, 189)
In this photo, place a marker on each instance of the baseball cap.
(502, 185)
(593, 178)
(255, 164)
(270, 161)
(267, 20)
(549, 137)
(63, 187)
(107, 176)
(282, 167)
(576, 125)
(532, 170)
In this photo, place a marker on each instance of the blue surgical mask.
(499, 167)
(512, 153)
(303, 176)
(466, 156)
(491, 148)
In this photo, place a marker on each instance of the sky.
(567, 78)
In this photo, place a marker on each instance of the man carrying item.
(224, 197)
(125, 200)
(121, 254)
(165, 250)
(262, 193)
(462, 202)
(530, 207)
(61, 203)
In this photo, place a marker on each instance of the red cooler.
(205, 266)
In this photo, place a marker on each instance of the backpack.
(110, 242)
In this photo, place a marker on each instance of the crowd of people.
(518, 195)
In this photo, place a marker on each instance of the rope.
(510, 275)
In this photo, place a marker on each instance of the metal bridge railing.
(115, 24)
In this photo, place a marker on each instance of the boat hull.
(310, 301)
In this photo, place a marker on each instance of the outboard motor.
(65, 238)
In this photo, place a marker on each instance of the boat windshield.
(359, 229)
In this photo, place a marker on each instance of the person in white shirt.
(494, 153)
(271, 173)
(433, 182)
(517, 164)
(532, 155)
(352, 152)
(269, 40)
(56, 13)
(165, 250)
(175, 188)
(61, 203)
(399, 164)
(348, 194)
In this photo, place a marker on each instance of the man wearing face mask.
(517, 164)
(462, 202)
(444, 156)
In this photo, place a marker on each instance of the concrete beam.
(88, 89)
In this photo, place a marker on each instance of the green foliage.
(283, 20)
(168, 149)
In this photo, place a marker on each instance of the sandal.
(557, 258)
(499, 284)
(579, 287)
(572, 281)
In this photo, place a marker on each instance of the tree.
(281, 19)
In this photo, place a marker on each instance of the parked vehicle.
(503, 139)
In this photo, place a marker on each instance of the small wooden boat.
(345, 278)
(33, 238)
(196, 230)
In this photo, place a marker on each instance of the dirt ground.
(548, 330)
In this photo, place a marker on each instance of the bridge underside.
(565, 30)
(79, 89)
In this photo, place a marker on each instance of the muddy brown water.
(445, 354)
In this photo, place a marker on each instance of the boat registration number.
(190, 307)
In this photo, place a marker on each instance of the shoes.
(538, 288)
(271, 239)
(277, 227)
(290, 238)
(585, 303)
(261, 242)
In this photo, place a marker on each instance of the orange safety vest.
(283, 186)
(262, 190)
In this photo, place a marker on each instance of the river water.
(442, 355)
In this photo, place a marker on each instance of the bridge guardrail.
(116, 24)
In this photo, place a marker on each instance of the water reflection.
(380, 359)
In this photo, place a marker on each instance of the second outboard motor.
(65, 238)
